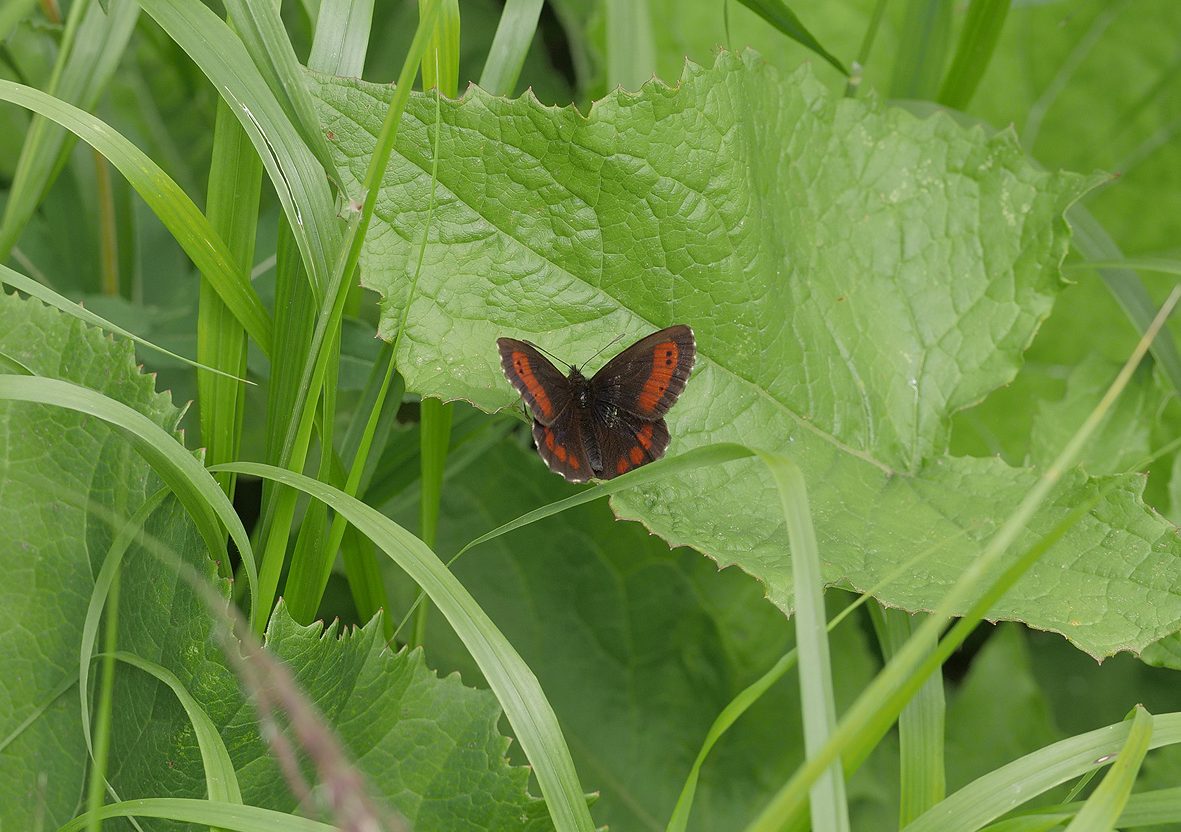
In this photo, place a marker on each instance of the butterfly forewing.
(543, 387)
(647, 377)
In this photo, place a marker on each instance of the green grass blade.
(920, 725)
(235, 184)
(296, 175)
(1093, 243)
(299, 429)
(51, 298)
(200, 494)
(631, 47)
(829, 805)
(101, 748)
(533, 720)
(259, 26)
(1163, 265)
(510, 46)
(1008, 787)
(230, 816)
(440, 64)
(729, 715)
(169, 203)
(922, 49)
(869, 717)
(342, 37)
(978, 39)
(780, 15)
(104, 581)
(1105, 805)
(92, 45)
(221, 780)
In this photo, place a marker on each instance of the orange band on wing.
(524, 372)
(664, 364)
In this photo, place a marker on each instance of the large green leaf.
(426, 745)
(854, 276)
(638, 648)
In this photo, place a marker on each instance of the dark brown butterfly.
(612, 422)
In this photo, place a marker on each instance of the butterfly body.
(605, 425)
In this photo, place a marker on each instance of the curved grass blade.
(51, 298)
(229, 816)
(169, 203)
(533, 720)
(266, 41)
(780, 15)
(298, 179)
(1103, 808)
(221, 780)
(1008, 787)
(180, 470)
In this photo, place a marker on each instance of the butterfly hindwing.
(560, 445)
(647, 377)
(543, 387)
(626, 441)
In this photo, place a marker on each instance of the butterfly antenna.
(551, 355)
(615, 340)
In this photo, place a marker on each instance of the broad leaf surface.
(427, 746)
(854, 275)
(638, 648)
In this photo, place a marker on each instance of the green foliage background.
(881, 289)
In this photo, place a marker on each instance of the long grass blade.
(922, 49)
(298, 433)
(267, 43)
(51, 298)
(533, 720)
(829, 806)
(1105, 805)
(978, 39)
(342, 37)
(1013, 784)
(297, 177)
(169, 203)
(780, 15)
(1094, 244)
(510, 46)
(229, 816)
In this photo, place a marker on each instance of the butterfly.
(608, 424)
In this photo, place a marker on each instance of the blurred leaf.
(1089, 85)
